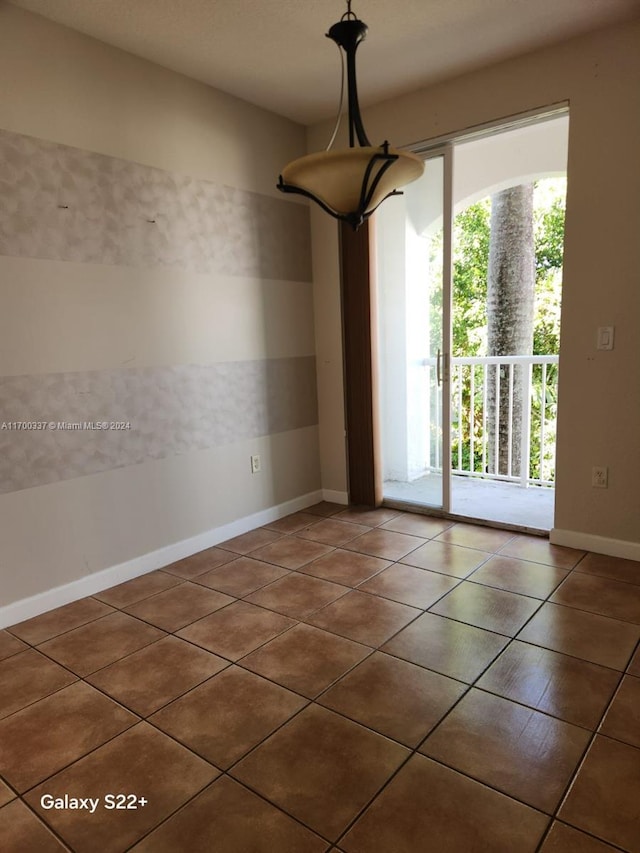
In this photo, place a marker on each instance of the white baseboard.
(599, 544)
(335, 497)
(26, 608)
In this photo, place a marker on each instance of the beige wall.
(72, 321)
(599, 419)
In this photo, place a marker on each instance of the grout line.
(590, 612)
(171, 814)
(100, 668)
(471, 686)
(510, 637)
(46, 696)
(85, 754)
(67, 630)
(39, 818)
(555, 820)
(416, 749)
(582, 761)
(592, 574)
(279, 808)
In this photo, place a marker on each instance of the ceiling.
(273, 52)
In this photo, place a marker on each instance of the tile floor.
(341, 680)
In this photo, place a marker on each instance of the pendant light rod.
(347, 34)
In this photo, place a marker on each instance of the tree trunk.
(510, 300)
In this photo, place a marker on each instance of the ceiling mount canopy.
(351, 183)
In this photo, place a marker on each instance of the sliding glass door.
(468, 364)
(413, 272)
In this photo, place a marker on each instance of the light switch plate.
(605, 337)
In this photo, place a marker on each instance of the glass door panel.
(411, 262)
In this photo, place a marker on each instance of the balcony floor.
(488, 500)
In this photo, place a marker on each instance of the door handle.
(438, 375)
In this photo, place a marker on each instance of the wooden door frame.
(360, 372)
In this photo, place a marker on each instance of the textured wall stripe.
(170, 410)
(63, 203)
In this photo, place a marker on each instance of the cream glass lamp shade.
(339, 178)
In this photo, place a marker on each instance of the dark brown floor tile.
(525, 754)
(345, 567)
(333, 532)
(488, 608)
(566, 839)
(325, 509)
(291, 552)
(227, 818)
(364, 618)
(10, 645)
(417, 525)
(138, 588)
(385, 544)
(598, 639)
(157, 674)
(134, 762)
(565, 687)
(242, 576)
(540, 550)
(393, 697)
(57, 730)
(610, 567)
(236, 630)
(297, 595)
(603, 799)
(60, 620)
(338, 767)
(228, 715)
(27, 677)
(623, 717)
(451, 648)
(306, 659)
(248, 542)
(519, 576)
(22, 832)
(600, 595)
(86, 649)
(177, 607)
(292, 523)
(475, 536)
(634, 665)
(447, 559)
(428, 801)
(416, 587)
(197, 564)
(6, 794)
(367, 516)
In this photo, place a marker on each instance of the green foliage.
(549, 239)
(471, 231)
(470, 263)
(549, 234)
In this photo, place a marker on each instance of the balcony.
(503, 439)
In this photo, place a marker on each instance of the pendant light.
(349, 184)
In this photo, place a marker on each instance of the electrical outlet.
(256, 465)
(599, 477)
